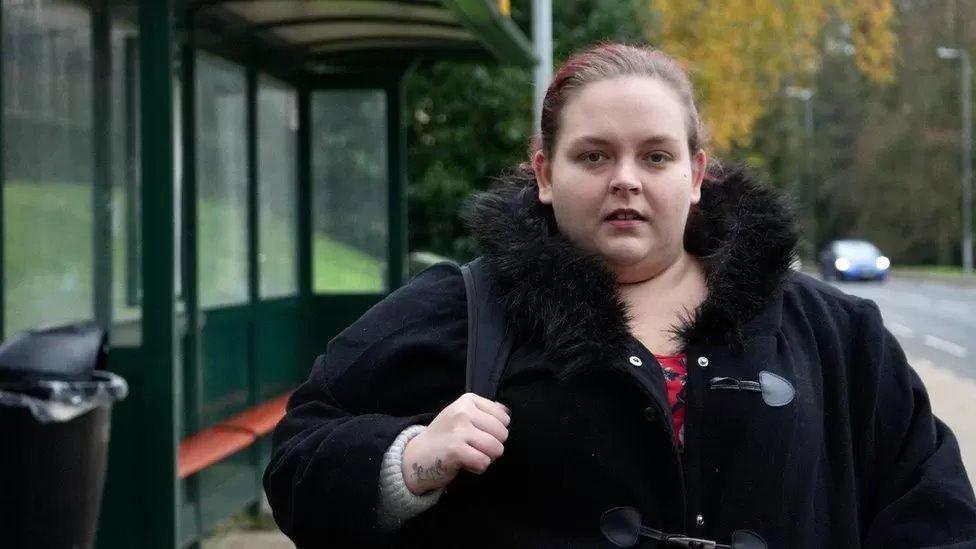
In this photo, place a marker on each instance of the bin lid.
(67, 352)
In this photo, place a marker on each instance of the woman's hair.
(609, 60)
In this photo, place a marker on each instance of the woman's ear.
(699, 164)
(541, 168)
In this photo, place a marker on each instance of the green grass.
(341, 269)
(48, 256)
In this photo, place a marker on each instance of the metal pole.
(396, 144)
(542, 41)
(807, 193)
(133, 284)
(3, 230)
(967, 163)
(811, 189)
(303, 205)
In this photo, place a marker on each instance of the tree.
(885, 157)
(905, 167)
(742, 51)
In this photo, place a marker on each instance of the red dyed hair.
(609, 60)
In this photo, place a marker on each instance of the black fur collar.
(568, 300)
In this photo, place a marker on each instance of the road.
(936, 326)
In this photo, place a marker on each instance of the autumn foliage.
(742, 52)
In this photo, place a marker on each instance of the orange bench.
(213, 444)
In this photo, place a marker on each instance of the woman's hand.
(469, 434)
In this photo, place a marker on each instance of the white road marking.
(900, 330)
(953, 349)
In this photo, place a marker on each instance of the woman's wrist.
(397, 502)
(419, 477)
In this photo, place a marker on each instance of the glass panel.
(277, 186)
(126, 154)
(47, 202)
(221, 182)
(349, 189)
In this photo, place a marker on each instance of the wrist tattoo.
(434, 472)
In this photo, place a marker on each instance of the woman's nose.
(625, 185)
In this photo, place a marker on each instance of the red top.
(675, 374)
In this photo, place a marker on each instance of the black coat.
(855, 459)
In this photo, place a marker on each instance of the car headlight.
(842, 264)
(883, 263)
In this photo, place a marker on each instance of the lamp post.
(808, 192)
(542, 41)
(966, 97)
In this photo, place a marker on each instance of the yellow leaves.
(874, 40)
(741, 51)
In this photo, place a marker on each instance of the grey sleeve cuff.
(396, 502)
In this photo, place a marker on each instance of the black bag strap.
(489, 340)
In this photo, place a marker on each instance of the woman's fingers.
(473, 460)
(491, 425)
(496, 409)
(486, 444)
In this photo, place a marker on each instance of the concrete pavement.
(953, 398)
(249, 539)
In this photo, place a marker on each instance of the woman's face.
(621, 179)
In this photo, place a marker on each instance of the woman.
(666, 359)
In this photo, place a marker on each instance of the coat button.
(703, 362)
(700, 520)
(636, 361)
(650, 413)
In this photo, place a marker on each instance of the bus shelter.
(221, 186)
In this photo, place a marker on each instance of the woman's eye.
(657, 157)
(594, 157)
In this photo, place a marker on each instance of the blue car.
(853, 260)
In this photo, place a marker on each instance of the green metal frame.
(140, 506)
(192, 364)
(253, 271)
(159, 342)
(303, 204)
(396, 127)
(253, 266)
(102, 164)
(133, 295)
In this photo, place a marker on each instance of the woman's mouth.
(625, 224)
(625, 218)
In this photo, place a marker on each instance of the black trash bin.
(55, 410)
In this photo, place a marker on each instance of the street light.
(966, 97)
(806, 96)
(542, 45)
